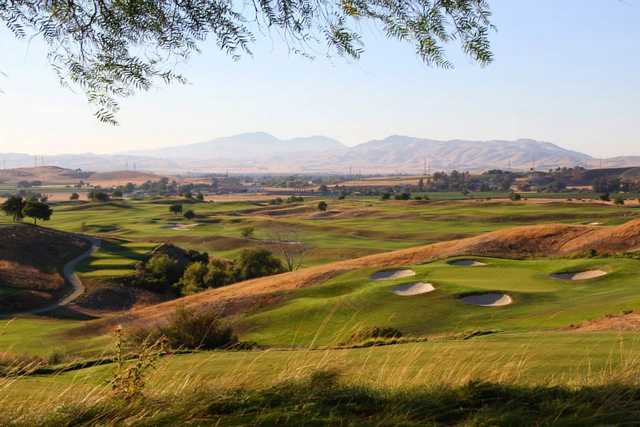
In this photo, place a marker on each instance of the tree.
(193, 279)
(117, 194)
(74, 196)
(257, 263)
(13, 207)
(175, 208)
(98, 196)
(290, 247)
(190, 214)
(322, 206)
(37, 211)
(114, 49)
(247, 232)
(200, 197)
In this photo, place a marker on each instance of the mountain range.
(264, 153)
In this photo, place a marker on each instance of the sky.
(564, 72)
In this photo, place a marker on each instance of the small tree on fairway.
(247, 232)
(175, 208)
(322, 206)
(190, 214)
(13, 207)
(37, 211)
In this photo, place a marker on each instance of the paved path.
(72, 278)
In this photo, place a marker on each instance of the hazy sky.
(565, 72)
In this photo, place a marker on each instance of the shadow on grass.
(323, 400)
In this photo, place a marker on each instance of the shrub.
(515, 197)
(257, 263)
(322, 206)
(385, 196)
(175, 209)
(190, 214)
(74, 196)
(373, 333)
(247, 232)
(606, 197)
(188, 329)
(619, 201)
(219, 273)
(193, 279)
(403, 196)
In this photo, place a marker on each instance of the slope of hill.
(407, 153)
(520, 242)
(248, 146)
(31, 263)
(54, 175)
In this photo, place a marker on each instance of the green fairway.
(353, 227)
(327, 313)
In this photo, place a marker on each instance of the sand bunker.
(393, 274)
(180, 227)
(466, 263)
(412, 289)
(580, 275)
(490, 299)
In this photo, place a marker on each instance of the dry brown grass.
(520, 242)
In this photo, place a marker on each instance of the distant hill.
(247, 146)
(260, 152)
(403, 153)
(55, 175)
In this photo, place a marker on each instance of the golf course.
(391, 297)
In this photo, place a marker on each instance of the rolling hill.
(261, 152)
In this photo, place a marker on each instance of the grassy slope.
(329, 312)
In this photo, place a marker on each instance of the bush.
(193, 279)
(373, 333)
(619, 201)
(190, 214)
(247, 232)
(257, 263)
(606, 197)
(188, 329)
(322, 206)
(515, 197)
(403, 196)
(385, 196)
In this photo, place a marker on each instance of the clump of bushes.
(189, 272)
(188, 329)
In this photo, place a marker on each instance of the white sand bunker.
(398, 273)
(490, 299)
(580, 275)
(180, 227)
(412, 289)
(466, 262)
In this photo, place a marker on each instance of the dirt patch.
(398, 273)
(489, 299)
(623, 322)
(466, 262)
(413, 289)
(580, 275)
